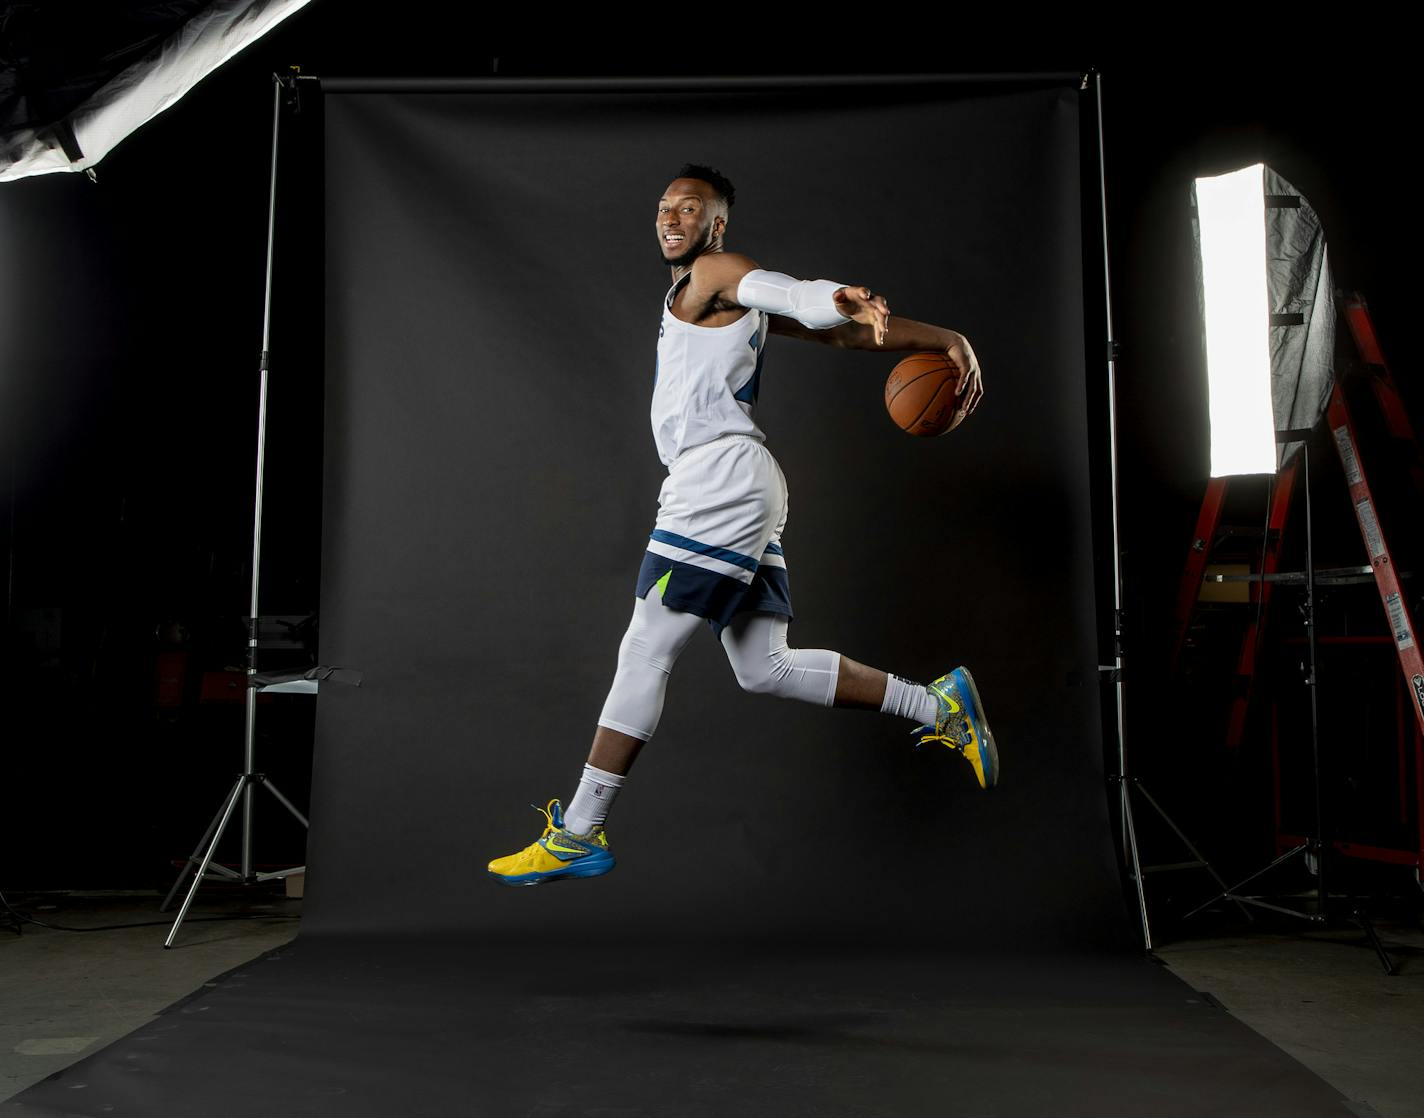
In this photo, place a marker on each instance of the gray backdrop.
(490, 481)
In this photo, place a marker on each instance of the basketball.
(919, 394)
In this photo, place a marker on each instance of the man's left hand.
(970, 385)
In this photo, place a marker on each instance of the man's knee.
(756, 649)
(755, 676)
(655, 636)
(765, 664)
(764, 673)
(638, 649)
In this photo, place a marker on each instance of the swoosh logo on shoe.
(954, 707)
(550, 844)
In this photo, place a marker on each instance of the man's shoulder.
(721, 266)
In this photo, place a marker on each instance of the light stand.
(1312, 850)
(1126, 782)
(208, 844)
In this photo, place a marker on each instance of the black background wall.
(131, 323)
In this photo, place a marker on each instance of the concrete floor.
(1322, 996)
(66, 994)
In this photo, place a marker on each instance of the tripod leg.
(1369, 929)
(286, 803)
(1225, 888)
(280, 875)
(208, 857)
(1124, 787)
(1286, 857)
(193, 857)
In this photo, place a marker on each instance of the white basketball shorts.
(715, 550)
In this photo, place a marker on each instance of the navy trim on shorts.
(736, 558)
(716, 597)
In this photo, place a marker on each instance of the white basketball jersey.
(706, 381)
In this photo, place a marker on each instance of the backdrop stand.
(242, 790)
(1112, 673)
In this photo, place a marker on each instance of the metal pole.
(706, 84)
(249, 754)
(1112, 438)
(1129, 831)
(1322, 895)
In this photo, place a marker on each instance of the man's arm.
(723, 280)
(901, 335)
(729, 279)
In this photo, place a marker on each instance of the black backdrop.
(490, 482)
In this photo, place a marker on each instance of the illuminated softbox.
(1268, 315)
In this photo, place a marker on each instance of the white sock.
(909, 700)
(595, 795)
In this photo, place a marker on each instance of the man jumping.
(715, 551)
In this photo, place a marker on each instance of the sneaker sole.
(578, 869)
(988, 751)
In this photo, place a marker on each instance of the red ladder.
(1401, 623)
(1342, 428)
(1198, 558)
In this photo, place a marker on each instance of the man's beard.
(691, 251)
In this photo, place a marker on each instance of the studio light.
(1268, 327)
(1236, 311)
(1268, 316)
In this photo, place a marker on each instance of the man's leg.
(948, 710)
(614, 751)
(764, 663)
(859, 686)
(573, 844)
(655, 637)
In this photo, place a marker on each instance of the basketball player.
(715, 552)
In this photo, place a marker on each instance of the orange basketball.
(919, 394)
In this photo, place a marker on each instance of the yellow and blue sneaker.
(558, 853)
(960, 724)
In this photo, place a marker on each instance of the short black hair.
(718, 181)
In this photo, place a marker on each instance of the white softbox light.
(1268, 315)
(145, 89)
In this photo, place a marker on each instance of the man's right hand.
(860, 304)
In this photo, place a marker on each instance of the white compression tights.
(755, 644)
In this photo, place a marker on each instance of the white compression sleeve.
(655, 638)
(756, 647)
(809, 302)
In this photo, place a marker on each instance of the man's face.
(690, 218)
